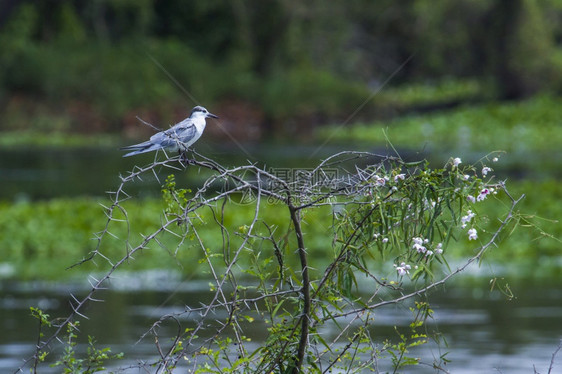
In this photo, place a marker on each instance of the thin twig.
(554, 356)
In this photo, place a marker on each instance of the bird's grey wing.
(186, 133)
(179, 133)
(163, 139)
(172, 139)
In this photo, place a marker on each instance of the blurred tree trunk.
(522, 48)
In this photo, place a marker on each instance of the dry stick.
(79, 304)
(278, 254)
(254, 300)
(230, 304)
(221, 283)
(305, 316)
(89, 297)
(209, 164)
(346, 348)
(163, 362)
(117, 204)
(554, 356)
(325, 278)
(303, 320)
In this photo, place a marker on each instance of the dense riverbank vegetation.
(41, 238)
(524, 126)
(274, 68)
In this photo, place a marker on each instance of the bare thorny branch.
(357, 188)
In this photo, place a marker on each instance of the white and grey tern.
(179, 137)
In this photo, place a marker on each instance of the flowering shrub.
(392, 223)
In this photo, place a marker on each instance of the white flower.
(483, 194)
(495, 159)
(486, 170)
(380, 181)
(466, 219)
(472, 234)
(385, 240)
(419, 248)
(471, 198)
(439, 248)
(466, 177)
(376, 235)
(418, 241)
(456, 161)
(418, 245)
(429, 253)
(403, 269)
(399, 177)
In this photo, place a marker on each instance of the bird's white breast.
(199, 124)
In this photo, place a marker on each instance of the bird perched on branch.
(178, 137)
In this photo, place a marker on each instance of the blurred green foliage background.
(90, 67)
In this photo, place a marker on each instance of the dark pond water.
(46, 173)
(485, 332)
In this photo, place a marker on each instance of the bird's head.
(199, 111)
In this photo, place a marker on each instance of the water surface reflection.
(484, 331)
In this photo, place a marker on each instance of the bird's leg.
(184, 160)
(183, 157)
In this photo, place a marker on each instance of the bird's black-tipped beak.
(212, 115)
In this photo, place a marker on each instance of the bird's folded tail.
(139, 148)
